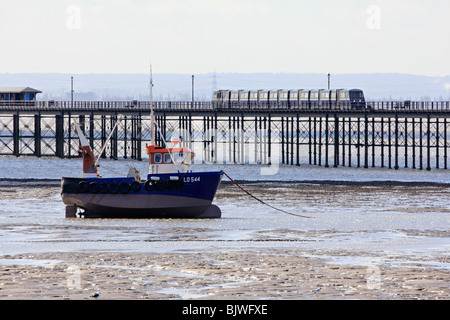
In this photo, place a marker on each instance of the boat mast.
(151, 107)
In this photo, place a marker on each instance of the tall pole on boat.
(151, 107)
(192, 106)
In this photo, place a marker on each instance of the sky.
(244, 36)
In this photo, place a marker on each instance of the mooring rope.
(266, 204)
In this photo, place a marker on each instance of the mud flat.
(364, 240)
(232, 274)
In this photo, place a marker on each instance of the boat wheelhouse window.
(157, 158)
(167, 158)
(178, 156)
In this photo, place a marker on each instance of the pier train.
(289, 99)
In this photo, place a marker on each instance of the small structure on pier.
(18, 93)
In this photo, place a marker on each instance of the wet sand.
(282, 261)
(241, 274)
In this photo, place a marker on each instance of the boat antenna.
(152, 116)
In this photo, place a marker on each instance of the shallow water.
(403, 222)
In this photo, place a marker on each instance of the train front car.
(221, 99)
(357, 100)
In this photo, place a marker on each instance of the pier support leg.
(37, 135)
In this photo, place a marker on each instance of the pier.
(389, 134)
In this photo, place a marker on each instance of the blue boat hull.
(181, 195)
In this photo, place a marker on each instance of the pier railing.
(135, 105)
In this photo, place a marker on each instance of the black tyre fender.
(83, 186)
(113, 187)
(93, 187)
(159, 185)
(124, 187)
(103, 188)
(149, 186)
(135, 186)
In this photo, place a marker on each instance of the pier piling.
(384, 136)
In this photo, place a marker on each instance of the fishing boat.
(170, 189)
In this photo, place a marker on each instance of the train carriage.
(243, 98)
(314, 99)
(293, 99)
(283, 99)
(273, 99)
(340, 99)
(263, 99)
(234, 99)
(333, 97)
(253, 99)
(303, 99)
(324, 99)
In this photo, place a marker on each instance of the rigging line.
(290, 213)
(111, 170)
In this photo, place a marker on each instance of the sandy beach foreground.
(241, 274)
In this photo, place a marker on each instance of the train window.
(356, 94)
(343, 94)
